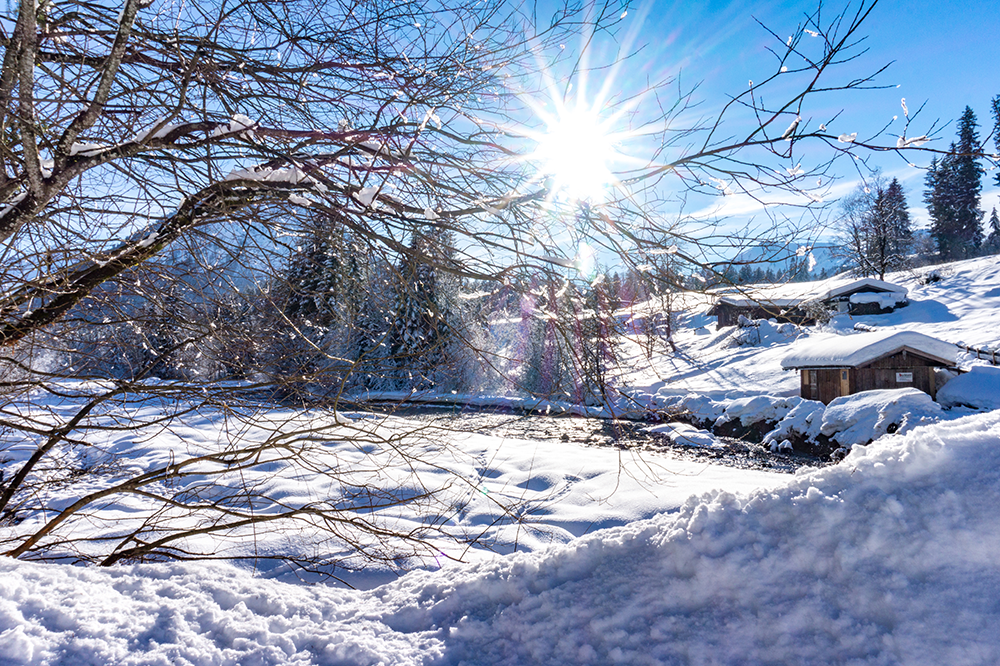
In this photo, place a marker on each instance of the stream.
(505, 423)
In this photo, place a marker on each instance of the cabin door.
(812, 382)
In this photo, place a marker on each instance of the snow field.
(885, 558)
(470, 494)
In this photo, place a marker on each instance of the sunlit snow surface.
(887, 558)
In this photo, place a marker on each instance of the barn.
(850, 364)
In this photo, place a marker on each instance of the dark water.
(597, 432)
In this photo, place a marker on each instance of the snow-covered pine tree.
(900, 228)
(323, 282)
(992, 244)
(374, 367)
(874, 227)
(995, 108)
(421, 336)
(322, 277)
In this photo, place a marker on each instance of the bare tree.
(161, 163)
(874, 228)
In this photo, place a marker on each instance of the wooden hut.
(849, 364)
(729, 308)
(863, 297)
(799, 302)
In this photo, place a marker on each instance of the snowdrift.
(887, 558)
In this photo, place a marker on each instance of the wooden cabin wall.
(823, 385)
(871, 379)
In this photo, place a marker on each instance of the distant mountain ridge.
(818, 259)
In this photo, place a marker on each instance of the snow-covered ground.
(600, 555)
(886, 558)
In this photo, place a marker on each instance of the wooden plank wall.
(870, 379)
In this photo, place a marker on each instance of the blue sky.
(944, 54)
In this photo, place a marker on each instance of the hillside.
(960, 306)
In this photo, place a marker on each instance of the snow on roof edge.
(859, 349)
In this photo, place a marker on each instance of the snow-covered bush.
(866, 416)
(802, 422)
(757, 409)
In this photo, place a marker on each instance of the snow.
(366, 195)
(153, 133)
(753, 302)
(866, 416)
(791, 128)
(851, 351)
(757, 408)
(686, 435)
(238, 125)
(886, 301)
(903, 142)
(979, 388)
(864, 283)
(885, 558)
(83, 148)
(507, 493)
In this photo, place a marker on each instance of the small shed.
(868, 361)
(729, 308)
(863, 297)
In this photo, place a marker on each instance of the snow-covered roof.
(796, 293)
(851, 351)
(761, 302)
(869, 283)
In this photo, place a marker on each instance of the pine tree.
(992, 244)
(893, 236)
(421, 338)
(373, 326)
(968, 184)
(324, 278)
(996, 130)
(939, 198)
(323, 283)
(874, 228)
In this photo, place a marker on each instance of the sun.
(576, 153)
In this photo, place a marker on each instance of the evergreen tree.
(953, 187)
(615, 292)
(996, 130)
(875, 232)
(968, 184)
(992, 244)
(324, 278)
(421, 336)
(940, 201)
(323, 285)
(374, 365)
